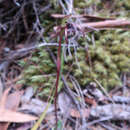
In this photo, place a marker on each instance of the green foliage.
(109, 57)
(40, 72)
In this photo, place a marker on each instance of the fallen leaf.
(3, 98)
(12, 103)
(4, 125)
(12, 116)
(13, 100)
(75, 113)
(90, 101)
(9, 103)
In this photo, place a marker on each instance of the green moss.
(106, 61)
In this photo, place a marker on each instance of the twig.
(106, 126)
(104, 23)
(108, 24)
(80, 94)
(81, 16)
(117, 111)
(121, 99)
(102, 88)
(99, 120)
(24, 51)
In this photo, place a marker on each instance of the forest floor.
(64, 66)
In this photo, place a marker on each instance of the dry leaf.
(11, 116)
(90, 101)
(12, 102)
(4, 125)
(75, 113)
(3, 98)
